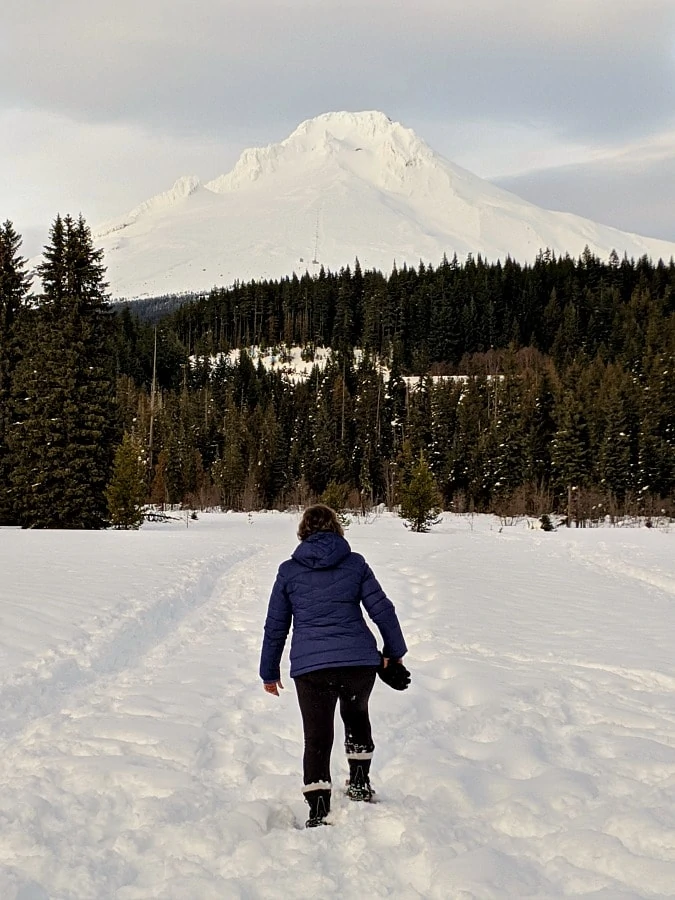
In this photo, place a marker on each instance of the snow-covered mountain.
(342, 185)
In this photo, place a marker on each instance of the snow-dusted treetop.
(341, 185)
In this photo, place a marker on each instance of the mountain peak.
(389, 146)
(341, 185)
(371, 124)
(360, 130)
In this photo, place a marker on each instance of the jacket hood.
(322, 550)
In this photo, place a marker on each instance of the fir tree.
(229, 473)
(570, 451)
(159, 492)
(270, 454)
(614, 463)
(336, 496)
(541, 432)
(14, 286)
(419, 498)
(126, 492)
(61, 441)
(508, 439)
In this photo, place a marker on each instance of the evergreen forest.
(519, 389)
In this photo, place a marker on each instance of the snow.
(341, 185)
(533, 756)
(298, 364)
(287, 361)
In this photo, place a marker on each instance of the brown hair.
(318, 518)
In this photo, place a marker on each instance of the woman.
(334, 655)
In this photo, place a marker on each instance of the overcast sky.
(570, 103)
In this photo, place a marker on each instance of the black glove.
(394, 674)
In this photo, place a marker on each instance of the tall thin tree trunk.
(153, 388)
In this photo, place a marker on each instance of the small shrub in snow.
(420, 500)
(126, 491)
(336, 496)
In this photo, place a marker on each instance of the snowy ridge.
(183, 187)
(390, 147)
(341, 185)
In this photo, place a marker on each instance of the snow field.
(533, 756)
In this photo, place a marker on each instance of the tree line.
(538, 388)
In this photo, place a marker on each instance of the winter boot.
(358, 786)
(319, 807)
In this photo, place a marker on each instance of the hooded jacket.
(321, 590)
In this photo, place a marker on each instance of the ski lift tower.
(315, 258)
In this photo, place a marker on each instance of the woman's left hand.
(272, 687)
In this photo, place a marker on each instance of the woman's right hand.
(272, 687)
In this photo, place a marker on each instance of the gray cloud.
(220, 67)
(103, 104)
(637, 197)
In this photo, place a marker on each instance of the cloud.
(55, 165)
(577, 66)
(104, 104)
(494, 149)
(633, 190)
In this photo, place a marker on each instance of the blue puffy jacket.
(321, 589)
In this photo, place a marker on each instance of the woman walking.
(334, 655)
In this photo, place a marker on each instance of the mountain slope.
(342, 185)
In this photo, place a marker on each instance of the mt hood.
(343, 185)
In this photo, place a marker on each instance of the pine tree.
(159, 492)
(368, 409)
(126, 492)
(270, 454)
(419, 498)
(343, 325)
(229, 473)
(614, 458)
(336, 496)
(570, 450)
(656, 456)
(322, 464)
(466, 461)
(541, 431)
(509, 455)
(173, 472)
(14, 286)
(63, 393)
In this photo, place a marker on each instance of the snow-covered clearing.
(533, 756)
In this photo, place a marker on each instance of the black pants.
(318, 693)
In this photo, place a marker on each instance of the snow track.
(533, 756)
(122, 646)
(109, 719)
